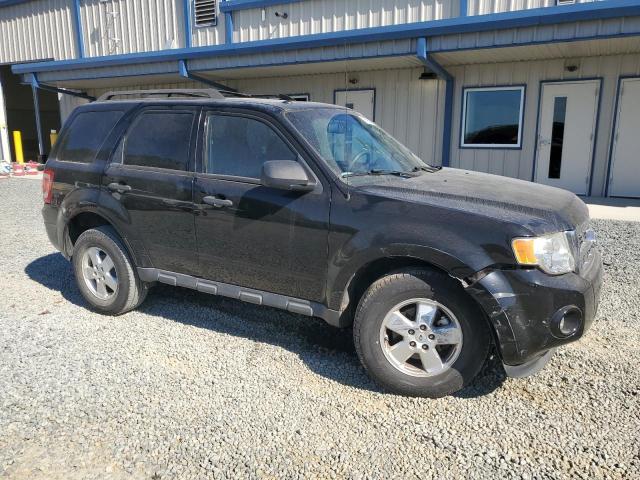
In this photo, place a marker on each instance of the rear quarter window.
(85, 135)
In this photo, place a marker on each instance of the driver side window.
(239, 146)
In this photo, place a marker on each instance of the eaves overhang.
(459, 25)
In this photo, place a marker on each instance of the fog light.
(566, 321)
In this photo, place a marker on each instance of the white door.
(362, 101)
(566, 134)
(624, 180)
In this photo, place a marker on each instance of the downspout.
(183, 69)
(187, 23)
(228, 27)
(32, 79)
(36, 107)
(77, 20)
(435, 67)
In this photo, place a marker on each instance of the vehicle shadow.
(327, 351)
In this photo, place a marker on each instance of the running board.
(257, 297)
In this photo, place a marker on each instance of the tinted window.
(492, 116)
(238, 146)
(159, 139)
(85, 136)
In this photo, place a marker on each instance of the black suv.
(314, 209)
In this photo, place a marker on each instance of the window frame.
(55, 150)
(204, 147)
(494, 146)
(195, 112)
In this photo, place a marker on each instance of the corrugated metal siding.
(519, 163)
(125, 26)
(406, 107)
(37, 30)
(321, 16)
(538, 34)
(387, 48)
(483, 7)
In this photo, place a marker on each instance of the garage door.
(624, 180)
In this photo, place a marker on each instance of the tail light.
(47, 185)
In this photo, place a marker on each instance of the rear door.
(151, 177)
(258, 237)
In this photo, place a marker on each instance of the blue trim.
(595, 133)
(77, 20)
(228, 27)
(539, 16)
(464, 8)
(621, 78)
(423, 56)
(540, 42)
(184, 72)
(234, 5)
(8, 3)
(361, 89)
(523, 103)
(186, 9)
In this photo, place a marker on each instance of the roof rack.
(168, 93)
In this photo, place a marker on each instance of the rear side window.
(86, 134)
(160, 139)
(239, 146)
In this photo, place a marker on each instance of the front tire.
(104, 272)
(418, 333)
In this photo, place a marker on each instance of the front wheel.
(418, 333)
(104, 272)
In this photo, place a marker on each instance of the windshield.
(353, 145)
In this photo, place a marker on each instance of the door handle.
(118, 187)
(217, 202)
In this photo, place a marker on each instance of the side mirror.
(285, 175)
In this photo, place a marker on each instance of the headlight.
(552, 253)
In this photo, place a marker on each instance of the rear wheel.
(104, 272)
(418, 333)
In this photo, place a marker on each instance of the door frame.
(361, 89)
(595, 133)
(616, 114)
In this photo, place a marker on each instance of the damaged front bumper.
(526, 306)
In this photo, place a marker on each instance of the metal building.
(543, 90)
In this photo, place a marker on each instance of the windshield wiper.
(430, 168)
(396, 173)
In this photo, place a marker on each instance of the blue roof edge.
(521, 18)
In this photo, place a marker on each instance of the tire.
(442, 300)
(129, 291)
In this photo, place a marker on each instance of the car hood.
(539, 208)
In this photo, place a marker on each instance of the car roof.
(270, 105)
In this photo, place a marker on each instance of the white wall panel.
(519, 163)
(321, 16)
(113, 27)
(37, 30)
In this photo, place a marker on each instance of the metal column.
(36, 105)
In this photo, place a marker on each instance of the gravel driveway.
(195, 386)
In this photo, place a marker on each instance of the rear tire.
(433, 323)
(105, 273)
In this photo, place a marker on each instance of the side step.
(257, 297)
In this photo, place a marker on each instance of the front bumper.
(521, 303)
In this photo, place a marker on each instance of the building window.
(565, 2)
(300, 97)
(492, 117)
(205, 13)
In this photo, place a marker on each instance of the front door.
(566, 134)
(624, 180)
(254, 236)
(362, 101)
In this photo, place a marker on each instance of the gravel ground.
(195, 386)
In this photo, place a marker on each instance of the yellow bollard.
(17, 143)
(53, 136)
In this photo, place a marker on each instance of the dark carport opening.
(21, 115)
